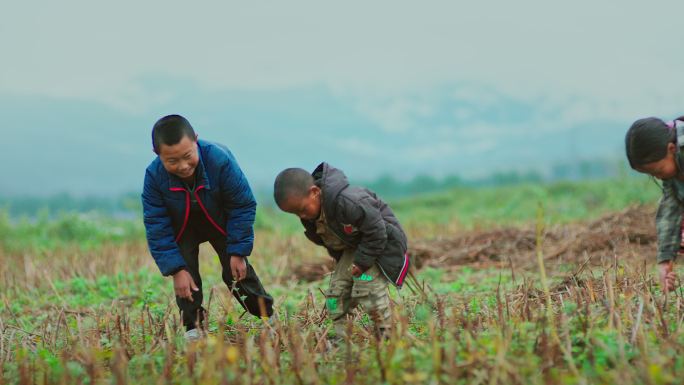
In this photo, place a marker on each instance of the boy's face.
(307, 207)
(665, 168)
(180, 159)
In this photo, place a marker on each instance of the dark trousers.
(249, 292)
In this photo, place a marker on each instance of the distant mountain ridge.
(85, 147)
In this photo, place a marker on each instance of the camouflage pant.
(346, 292)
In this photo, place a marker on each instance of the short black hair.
(291, 182)
(170, 130)
(646, 141)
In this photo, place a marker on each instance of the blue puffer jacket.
(223, 194)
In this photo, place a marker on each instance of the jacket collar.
(679, 128)
(331, 181)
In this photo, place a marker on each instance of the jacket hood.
(331, 181)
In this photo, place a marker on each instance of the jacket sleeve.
(668, 225)
(240, 207)
(158, 229)
(368, 220)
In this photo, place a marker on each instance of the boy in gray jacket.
(359, 231)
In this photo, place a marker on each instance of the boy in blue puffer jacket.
(195, 192)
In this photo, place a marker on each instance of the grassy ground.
(82, 302)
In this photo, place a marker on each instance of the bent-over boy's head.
(296, 193)
(175, 141)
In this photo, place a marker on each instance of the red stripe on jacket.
(187, 211)
(404, 270)
(221, 230)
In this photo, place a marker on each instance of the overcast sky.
(444, 85)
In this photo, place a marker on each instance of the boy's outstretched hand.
(668, 277)
(356, 271)
(238, 267)
(184, 285)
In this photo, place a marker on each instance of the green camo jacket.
(670, 210)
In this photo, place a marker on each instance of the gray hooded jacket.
(363, 222)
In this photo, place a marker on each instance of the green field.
(83, 303)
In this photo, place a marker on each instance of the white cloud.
(398, 115)
(599, 51)
(358, 147)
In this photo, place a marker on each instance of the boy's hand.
(356, 271)
(238, 267)
(668, 277)
(184, 285)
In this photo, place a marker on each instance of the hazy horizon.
(437, 88)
